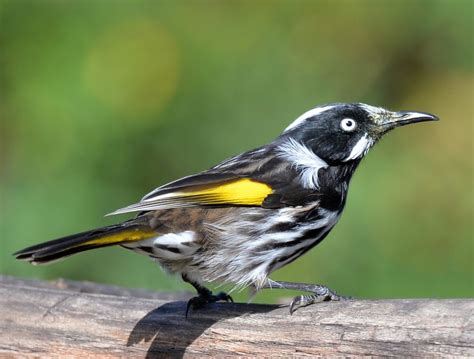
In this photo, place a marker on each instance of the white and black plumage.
(253, 213)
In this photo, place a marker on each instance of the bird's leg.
(204, 296)
(319, 293)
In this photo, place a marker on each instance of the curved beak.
(401, 118)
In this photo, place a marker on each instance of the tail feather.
(101, 237)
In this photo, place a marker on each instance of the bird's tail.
(101, 237)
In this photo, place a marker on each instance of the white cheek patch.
(361, 148)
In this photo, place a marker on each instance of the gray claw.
(295, 302)
(321, 296)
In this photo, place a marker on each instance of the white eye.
(348, 125)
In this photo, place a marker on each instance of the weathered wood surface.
(46, 319)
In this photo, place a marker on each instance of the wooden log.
(43, 319)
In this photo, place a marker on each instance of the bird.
(253, 213)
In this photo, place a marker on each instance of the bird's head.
(339, 133)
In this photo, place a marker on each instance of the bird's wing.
(206, 189)
(255, 178)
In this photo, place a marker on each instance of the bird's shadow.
(171, 333)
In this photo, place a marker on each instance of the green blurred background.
(101, 101)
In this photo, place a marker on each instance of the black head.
(345, 132)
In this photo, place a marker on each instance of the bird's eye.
(348, 125)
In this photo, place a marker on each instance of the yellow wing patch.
(239, 192)
(121, 237)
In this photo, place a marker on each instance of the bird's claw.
(203, 299)
(323, 294)
(223, 296)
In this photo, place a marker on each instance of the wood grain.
(37, 318)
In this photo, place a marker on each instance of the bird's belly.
(249, 249)
(243, 247)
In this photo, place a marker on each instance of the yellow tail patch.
(240, 192)
(121, 237)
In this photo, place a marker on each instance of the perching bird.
(251, 214)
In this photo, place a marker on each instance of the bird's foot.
(320, 294)
(206, 297)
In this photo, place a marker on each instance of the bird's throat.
(334, 184)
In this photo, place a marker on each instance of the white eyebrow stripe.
(372, 109)
(306, 115)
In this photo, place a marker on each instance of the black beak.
(401, 118)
